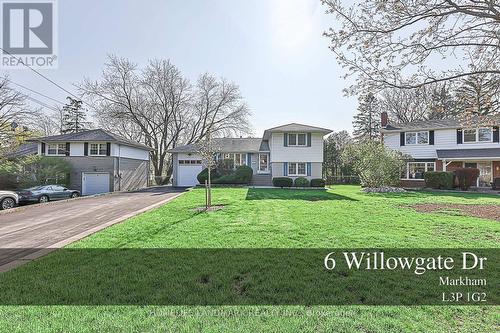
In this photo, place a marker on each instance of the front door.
(263, 163)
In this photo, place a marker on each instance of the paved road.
(28, 229)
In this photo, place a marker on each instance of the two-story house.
(445, 145)
(100, 161)
(291, 150)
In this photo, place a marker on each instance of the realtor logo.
(28, 34)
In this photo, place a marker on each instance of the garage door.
(188, 170)
(95, 183)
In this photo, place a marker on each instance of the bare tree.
(480, 94)
(207, 149)
(402, 44)
(159, 107)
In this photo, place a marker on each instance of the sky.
(273, 49)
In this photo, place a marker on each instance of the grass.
(267, 218)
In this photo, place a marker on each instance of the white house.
(291, 150)
(445, 145)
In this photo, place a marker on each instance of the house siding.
(280, 153)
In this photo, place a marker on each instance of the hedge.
(301, 182)
(242, 175)
(282, 182)
(439, 179)
(203, 175)
(467, 177)
(318, 182)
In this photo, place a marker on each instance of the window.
(297, 139)
(417, 138)
(416, 170)
(478, 135)
(98, 149)
(190, 162)
(297, 169)
(238, 158)
(56, 149)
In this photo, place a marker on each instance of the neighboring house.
(25, 149)
(101, 161)
(445, 145)
(292, 150)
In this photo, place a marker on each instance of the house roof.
(250, 145)
(30, 148)
(91, 135)
(294, 127)
(433, 124)
(469, 153)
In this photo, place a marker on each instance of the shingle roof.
(249, 145)
(468, 153)
(24, 150)
(91, 135)
(430, 124)
(294, 127)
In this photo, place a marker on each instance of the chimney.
(384, 119)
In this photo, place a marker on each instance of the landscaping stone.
(385, 189)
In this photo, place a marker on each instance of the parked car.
(8, 199)
(47, 193)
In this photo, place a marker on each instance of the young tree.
(74, 118)
(395, 43)
(207, 149)
(366, 122)
(334, 167)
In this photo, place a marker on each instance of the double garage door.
(187, 172)
(95, 183)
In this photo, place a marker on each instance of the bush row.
(299, 182)
(242, 175)
(446, 180)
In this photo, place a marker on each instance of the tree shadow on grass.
(429, 194)
(290, 194)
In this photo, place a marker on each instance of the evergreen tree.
(74, 118)
(479, 95)
(367, 121)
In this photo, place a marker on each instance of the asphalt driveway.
(27, 231)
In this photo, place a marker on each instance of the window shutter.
(431, 138)
(249, 160)
(108, 149)
(309, 139)
(43, 148)
(308, 168)
(496, 134)
(285, 169)
(402, 139)
(459, 136)
(285, 139)
(67, 148)
(86, 149)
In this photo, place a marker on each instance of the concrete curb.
(42, 252)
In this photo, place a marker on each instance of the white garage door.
(94, 183)
(187, 172)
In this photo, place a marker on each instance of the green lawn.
(263, 218)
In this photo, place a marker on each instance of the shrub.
(242, 175)
(301, 182)
(282, 182)
(318, 182)
(466, 177)
(376, 165)
(203, 175)
(439, 179)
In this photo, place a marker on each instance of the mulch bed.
(491, 212)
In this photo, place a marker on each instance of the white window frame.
(297, 139)
(99, 144)
(58, 147)
(407, 171)
(297, 174)
(416, 138)
(229, 156)
(477, 135)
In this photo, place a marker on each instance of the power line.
(43, 76)
(36, 92)
(42, 103)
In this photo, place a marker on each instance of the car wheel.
(74, 195)
(8, 203)
(43, 199)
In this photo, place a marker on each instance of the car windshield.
(36, 188)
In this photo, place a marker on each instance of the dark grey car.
(46, 193)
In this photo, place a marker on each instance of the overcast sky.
(273, 49)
